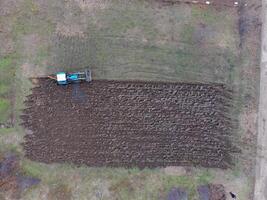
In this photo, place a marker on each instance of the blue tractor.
(64, 78)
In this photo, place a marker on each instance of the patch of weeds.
(49, 174)
(127, 18)
(207, 15)
(22, 85)
(186, 182)
(41, 55)
(60, 192)
(237, 170)
(4, 89)
(187, 33)
(124, 188)
(134, 183)
(7, 75)
(32, 169)
(5, 62)
(135, 170)
(29, 21)
(14, 148)
(9, 140)
(31, 6)
(204, 178)
(232, 61)
(22, 25)
(5, 110)
(4, 131)
(119, 22)
(7, 72)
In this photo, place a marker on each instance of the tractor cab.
(62, 78)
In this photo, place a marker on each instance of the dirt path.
(261, 169)
(219, 3)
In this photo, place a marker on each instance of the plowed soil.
(129, 124)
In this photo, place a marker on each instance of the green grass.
(32, 169)
(187, 33)
(4, 131)
(127, 42)
(207, 15)
(129, 184)
(7, 70)
(5, 110)
(4, 89)
(28, 21)
(10, 140)
(7, 77)
(22, 25)
(204, 177)
(5, 62)
(180, 181)
(117, 49)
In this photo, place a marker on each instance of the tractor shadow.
(78, 96)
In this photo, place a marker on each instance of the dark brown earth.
(12, 180)
(211, 192)
(217, 192)
(129, 124)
